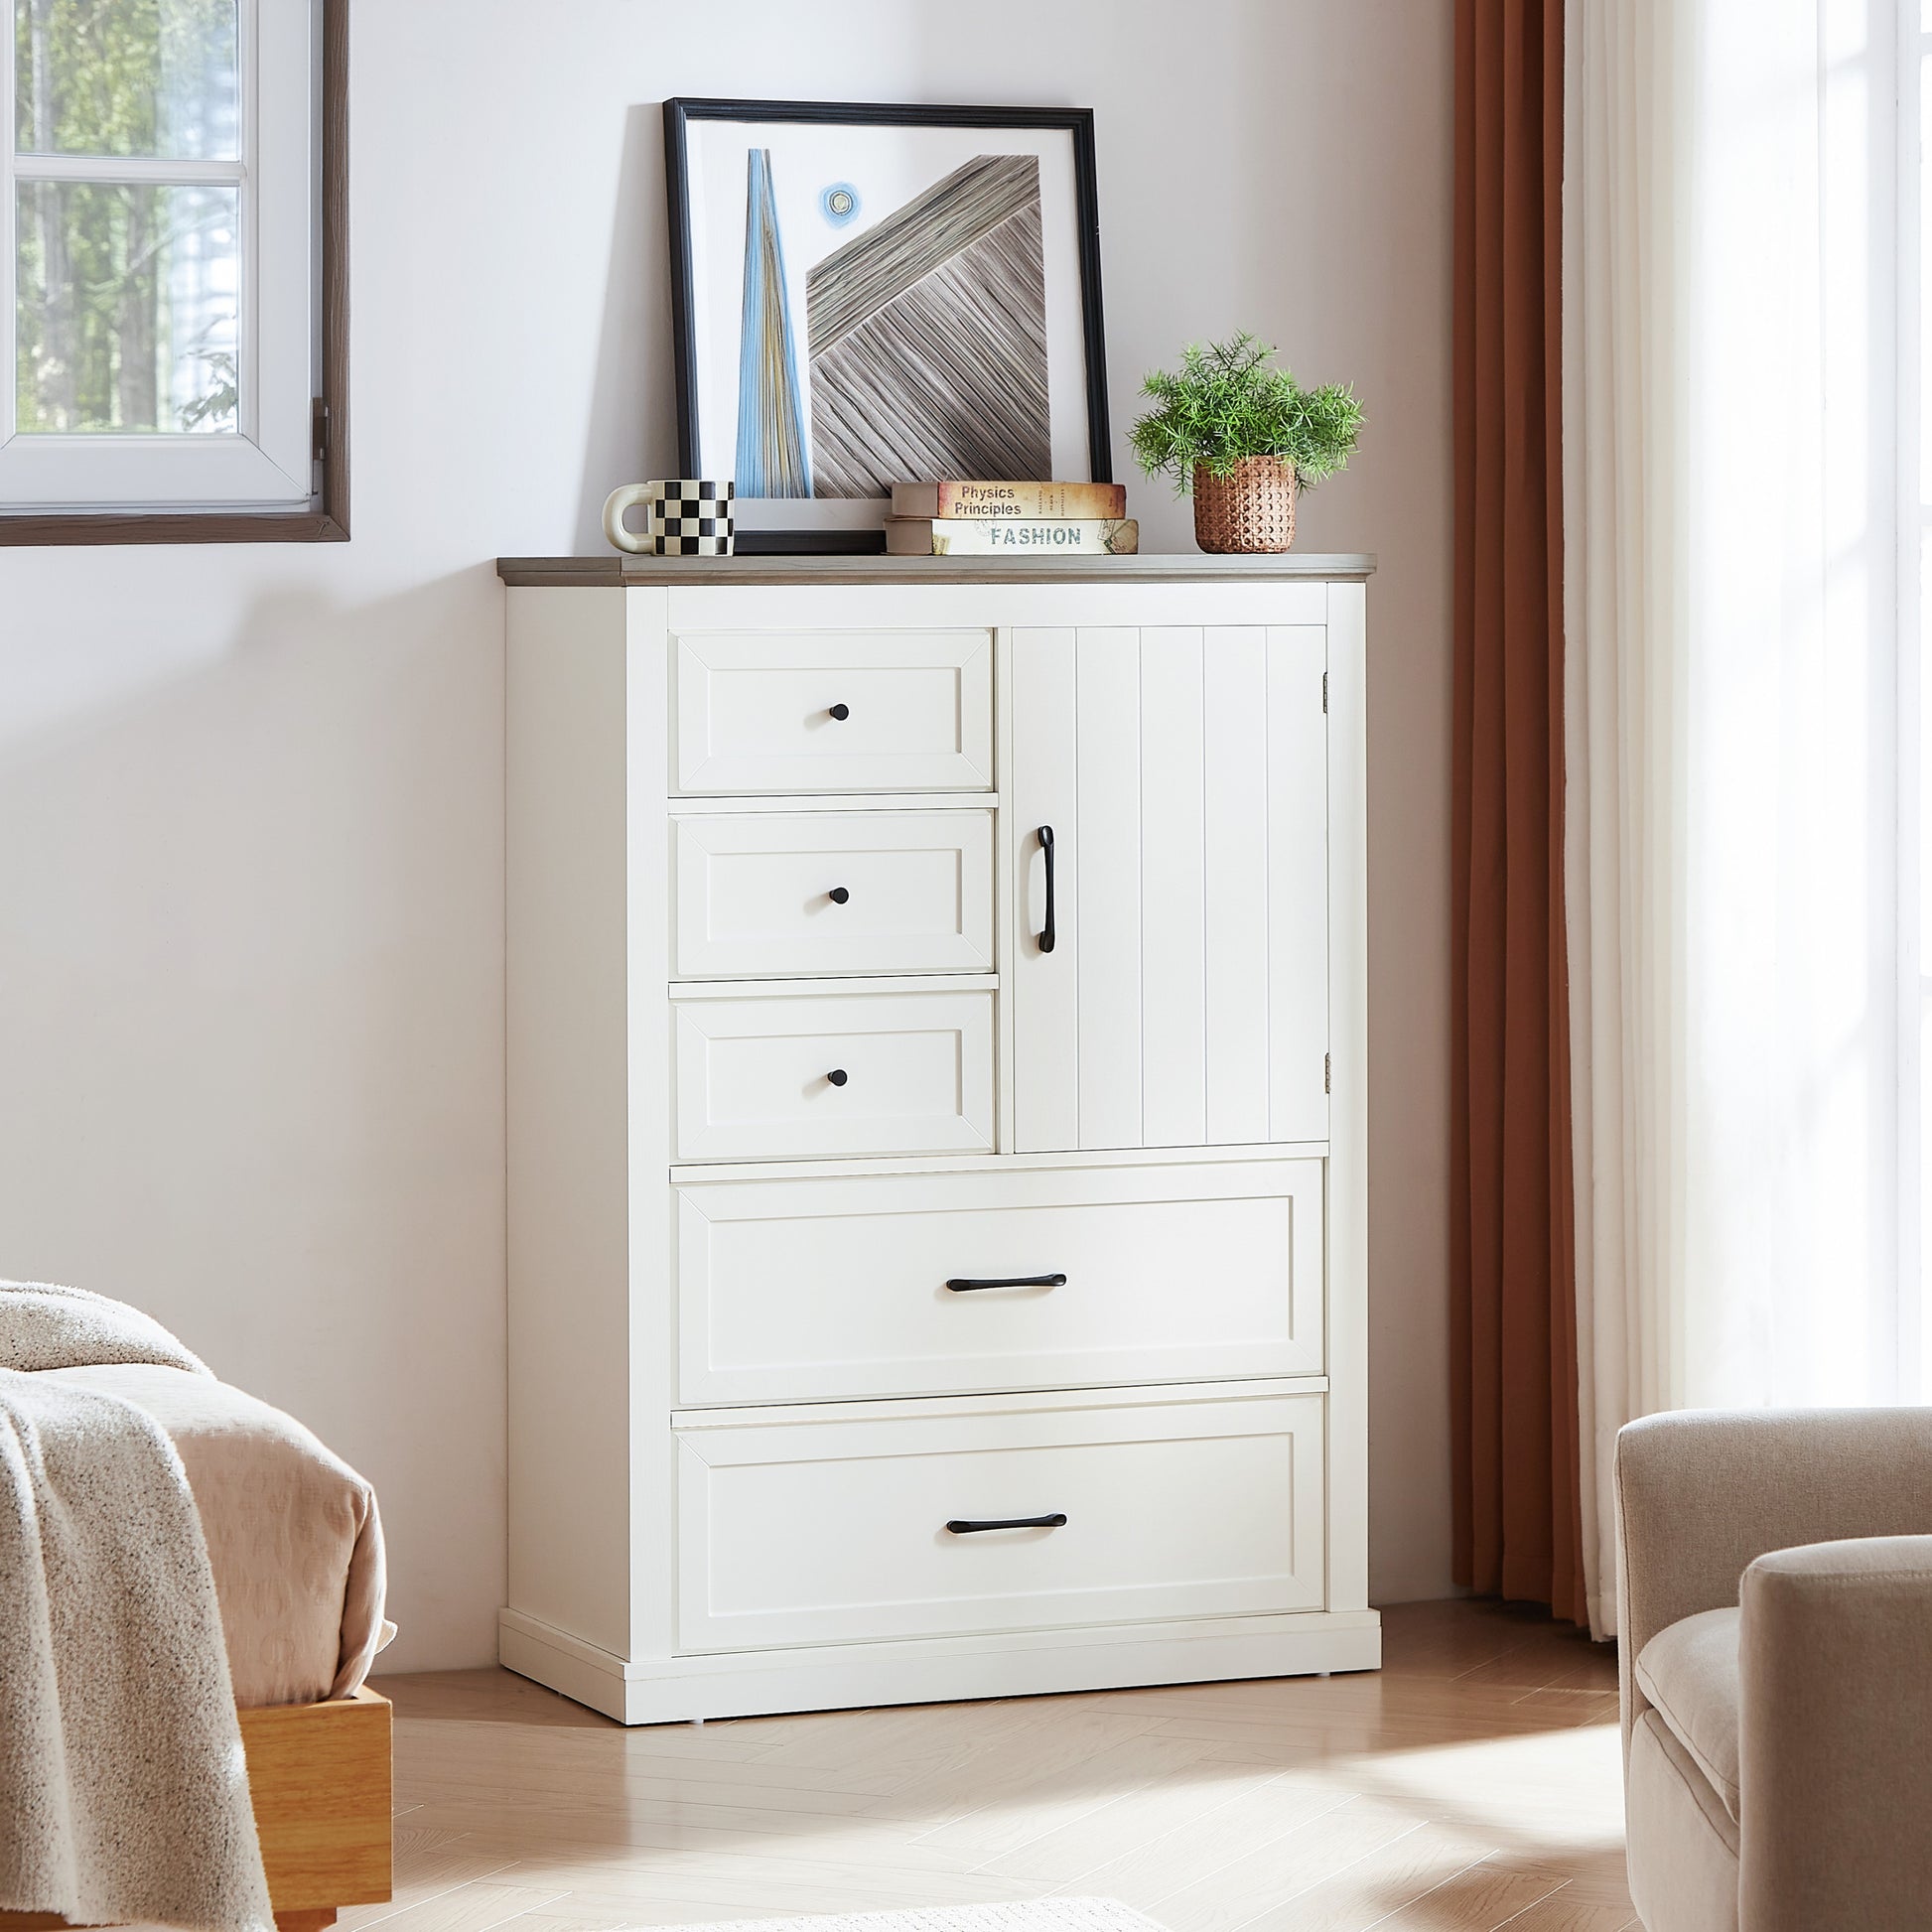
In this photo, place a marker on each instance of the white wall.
(251, 798)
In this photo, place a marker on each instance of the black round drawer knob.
(838, 1077)
(838, 896)
(841, 711)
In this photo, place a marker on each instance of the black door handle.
(968, 1526)
(838, 1077)
(841, 711)
(1046, 845)
(965, 1285)
(838, 894)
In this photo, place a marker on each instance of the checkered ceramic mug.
(683, 518)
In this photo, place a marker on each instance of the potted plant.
(1243, 435)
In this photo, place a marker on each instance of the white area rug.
(1026, 1915)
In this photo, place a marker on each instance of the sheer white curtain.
(1741, 852)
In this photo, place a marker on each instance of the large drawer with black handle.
(1019, 1278)
(942, 1520)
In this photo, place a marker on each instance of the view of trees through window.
(127, 179)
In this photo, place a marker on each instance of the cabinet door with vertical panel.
(1172, 781)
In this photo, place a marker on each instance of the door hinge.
(1327, 1068)
(1324, 691)
(319, 441)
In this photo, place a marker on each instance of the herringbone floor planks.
(1472, 1783)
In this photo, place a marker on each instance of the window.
(173, 270)
(1914, 228)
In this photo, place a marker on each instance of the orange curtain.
(1518, 1508)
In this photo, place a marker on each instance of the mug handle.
(614, 507)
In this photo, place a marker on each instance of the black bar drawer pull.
(965, 1285)
(969, 1526)
(1046, 845)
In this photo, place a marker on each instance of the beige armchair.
(1775, 1571)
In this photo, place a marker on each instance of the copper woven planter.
(1251, 510)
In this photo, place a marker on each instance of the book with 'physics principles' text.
(1056, 499)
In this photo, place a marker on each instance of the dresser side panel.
(647, 890)
(1348, 1205)
(569, 1395)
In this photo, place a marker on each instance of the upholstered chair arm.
(1835, 1738)
(1701, 1493)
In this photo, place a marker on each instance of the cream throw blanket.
(123, 1792)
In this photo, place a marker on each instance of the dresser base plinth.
(944, 1669)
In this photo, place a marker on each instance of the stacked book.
(1011, 520)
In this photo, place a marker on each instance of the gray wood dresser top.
(1194, 567)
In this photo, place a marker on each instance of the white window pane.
(126, 310)
(126, 78)
(1924, 318)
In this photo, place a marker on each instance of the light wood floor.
(1472, 1783)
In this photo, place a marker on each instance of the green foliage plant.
(1228, 402)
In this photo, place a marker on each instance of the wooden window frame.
(327, 523)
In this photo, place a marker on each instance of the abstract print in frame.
(869, 294)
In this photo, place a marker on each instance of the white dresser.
(937, 1222)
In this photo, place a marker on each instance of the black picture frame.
(681, 111)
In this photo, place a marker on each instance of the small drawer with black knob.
(831, 711)
(862, 1285)
(798, 1076)
(784, 895)
(954, 1519)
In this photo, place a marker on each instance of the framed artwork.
(866, 294)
